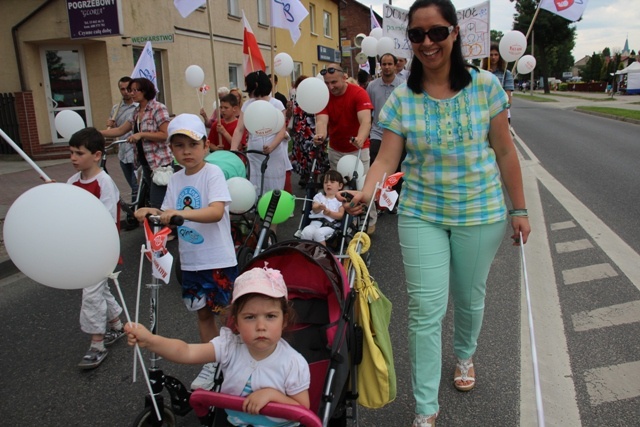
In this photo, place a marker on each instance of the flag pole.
(250, 59)
(273, 74)
(526, 37)
(213, 64)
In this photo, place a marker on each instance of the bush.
(563, 87)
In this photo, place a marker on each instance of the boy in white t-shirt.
(325, 209)
(200, 195)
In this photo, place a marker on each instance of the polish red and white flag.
(253, 60)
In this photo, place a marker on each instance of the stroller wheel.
(245, 255)
(147, 418)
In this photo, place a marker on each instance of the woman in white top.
(259, 87)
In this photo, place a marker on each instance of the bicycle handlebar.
(175, 220)
(115, 144)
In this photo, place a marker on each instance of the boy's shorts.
(210, 288)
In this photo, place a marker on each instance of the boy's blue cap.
(189, 125)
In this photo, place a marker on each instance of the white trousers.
(98, 307)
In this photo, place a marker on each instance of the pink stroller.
(324, 334)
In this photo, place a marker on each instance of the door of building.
(66, 88)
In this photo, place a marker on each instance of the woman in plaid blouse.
(149, 126)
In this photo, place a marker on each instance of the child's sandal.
(463, 374)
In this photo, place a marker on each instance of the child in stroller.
(251, 357)
(323, 332)
(325, 210)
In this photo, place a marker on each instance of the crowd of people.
(443, 122)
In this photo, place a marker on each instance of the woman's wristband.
(518, 212)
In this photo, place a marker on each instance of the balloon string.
(25, 157)
(135, 361)
(114, 277)
(532, 338)
(200, 98)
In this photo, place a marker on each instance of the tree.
(554, 38)
(496, 36)
(592, 69)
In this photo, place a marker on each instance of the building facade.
(46, 70)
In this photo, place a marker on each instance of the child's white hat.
(189, 125)
(265, 281)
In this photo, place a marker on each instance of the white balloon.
(74, 244)
(261, 118)
(385, 45)
(280, 123)
(512, 45)
(320, 77)
(243, 194)
(68, 122)
(348, 164)
(376, 33)
(194, 75)
(360, 182)
(369, 46)
(312, 95)
(526, 64)
(283, 64)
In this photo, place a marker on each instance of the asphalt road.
(42, 343)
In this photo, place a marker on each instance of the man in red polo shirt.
(347, 117)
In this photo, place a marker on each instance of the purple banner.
(94, 18)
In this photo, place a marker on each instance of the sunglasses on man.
(436, 34)
(330, 70)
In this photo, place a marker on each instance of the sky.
(605, 23)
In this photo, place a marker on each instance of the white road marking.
(573, 246)
(588, 273)
(620, 253)
(556, 378)
(604, 384)
(562, 225)
(619, 314)
(613, 383)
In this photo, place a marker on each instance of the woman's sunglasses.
(329, 70)
(436, 34)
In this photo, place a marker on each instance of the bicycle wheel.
(147, 418)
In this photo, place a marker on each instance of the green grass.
(533, 98)
(618, 112)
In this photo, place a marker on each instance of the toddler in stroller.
(323, 333)
(251, 356)
(326, 210)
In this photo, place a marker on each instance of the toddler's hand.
(256, 401)
(137, 334)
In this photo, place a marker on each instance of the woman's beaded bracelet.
(519, 212)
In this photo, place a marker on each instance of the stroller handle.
(202, 400)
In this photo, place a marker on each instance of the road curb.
(7, 268)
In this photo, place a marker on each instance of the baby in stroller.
(325, 210)
(251, 357)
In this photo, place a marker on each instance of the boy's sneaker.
(206, 378)
(112, 336)
(93, 358)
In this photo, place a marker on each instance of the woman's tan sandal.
(465, 375)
